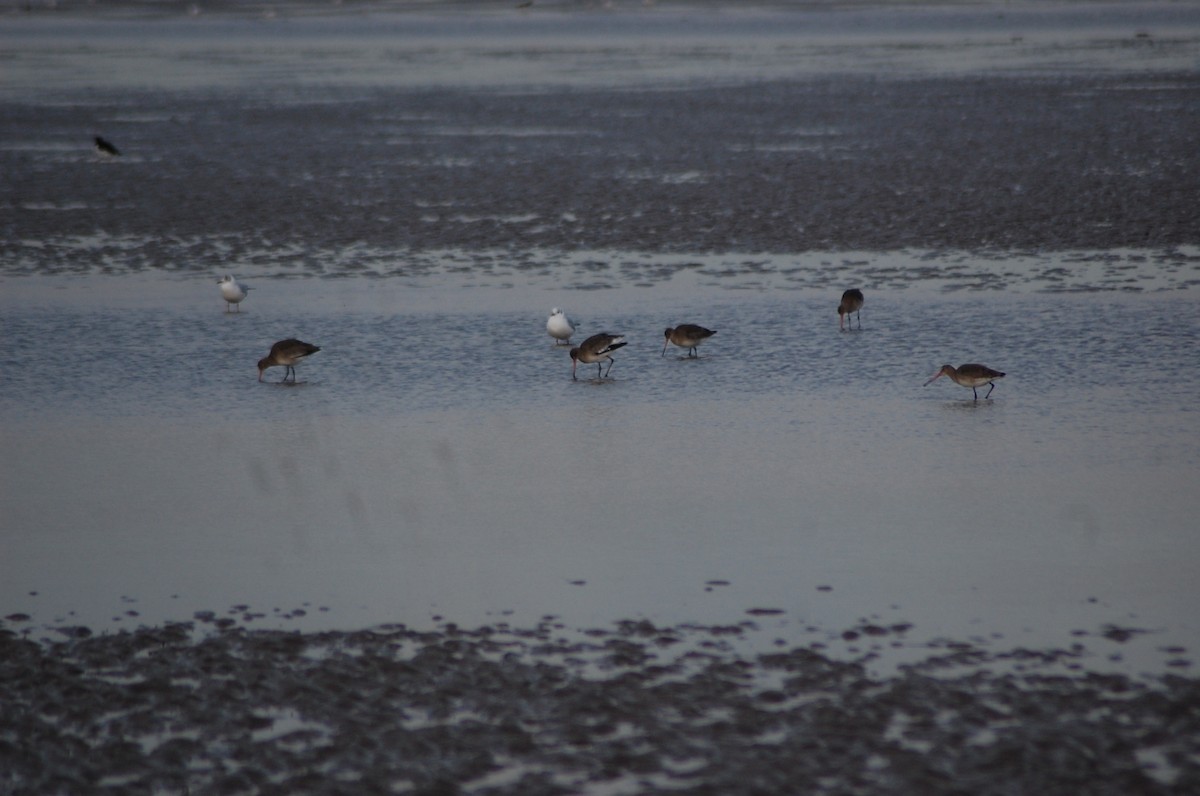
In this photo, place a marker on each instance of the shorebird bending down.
(105, 148)
(286, 353)
(972, 376)
(560, 327)
(596, 349)
(686, 335)
(852, 301)
(232, 292)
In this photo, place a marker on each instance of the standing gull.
(232, 292)
(560, 327)
(972, 376)
(686, 335)
(852, 301)
(596, 349)
(286, 353)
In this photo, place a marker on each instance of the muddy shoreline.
(974, 164)
(635, 708)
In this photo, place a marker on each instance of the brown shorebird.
(969, 376)
(105, 148)
(596, 349)
(852, 301)
(560, 327)
(686, 335)
(232, 292)
(286, 353)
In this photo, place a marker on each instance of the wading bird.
(560, 327)
(972, 376)
(286, 353)
(596, 349)
(852, 301)
(232, 292)
(686, 335)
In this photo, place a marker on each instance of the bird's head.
(946, 370)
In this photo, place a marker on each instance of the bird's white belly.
(559, 327)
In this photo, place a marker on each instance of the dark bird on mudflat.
(106, 148)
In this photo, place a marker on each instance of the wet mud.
(635, 708)
(321, 180)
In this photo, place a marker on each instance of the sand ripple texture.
(633, 709)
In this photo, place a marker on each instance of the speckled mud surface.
(975, 164)
(632, 709)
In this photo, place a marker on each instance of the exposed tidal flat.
(437, 564)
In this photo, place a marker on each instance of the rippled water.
(441, 462)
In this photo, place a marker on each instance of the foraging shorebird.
(852, 301)
(972, 376)
(560, 327)
(105, 148)
(596, 349)
(286, 353)
(232, 292)
(686, 335)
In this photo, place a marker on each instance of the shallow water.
(441, 462)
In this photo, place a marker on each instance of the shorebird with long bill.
(852, 301)
(232, 292)
(595, 350)
(285, 354)
(973, 376)
(560, 327)
(686, 335)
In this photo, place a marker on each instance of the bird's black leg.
(976, 394)
(991, 386)
(610, 364)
